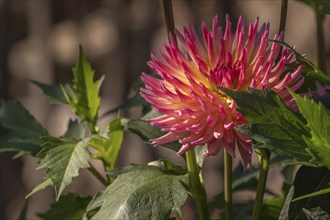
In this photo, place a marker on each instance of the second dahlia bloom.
(195, 112)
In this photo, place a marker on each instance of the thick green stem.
(197, 188)
(263, 155)
(98, 175)
(228, 185)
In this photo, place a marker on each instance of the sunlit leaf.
(108, 143)
(85, 99)
(141, 192)
(318, 122)
(61, 159)
(41, 186)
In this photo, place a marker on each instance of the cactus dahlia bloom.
(195, 112)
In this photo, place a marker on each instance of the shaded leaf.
(85, 100)
(62, 159)
(309, 180)
(22, 214)
(146, 132)
(54, 93)
(141, 192)
(271, 209)
(20, 131)
(69, 207)
(318, 122)
(14, 117)
(136, 100)
(76, 130)
(321, 6)
(273, 126)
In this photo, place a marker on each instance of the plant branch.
(284, 10)
(197, 188)
(98, 175)
(228, 185)
(264, 156)
(320, 37)
(168, 11)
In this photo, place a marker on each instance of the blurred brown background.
(39, 41)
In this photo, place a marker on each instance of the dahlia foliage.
(194, 110)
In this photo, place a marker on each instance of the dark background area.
(39, 41)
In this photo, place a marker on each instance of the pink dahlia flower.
(194, 111)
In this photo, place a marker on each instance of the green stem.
(228, 185)
(98, 175)
(197, 188)
(264, 167)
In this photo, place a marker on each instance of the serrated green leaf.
(273, 126)
(309, 180)
(14, 117)
(69, 207)
(146, 132)
(20, 131)
(54, 93)
(318, 122)
(76, 130)
(141, 192)
(108, 143)
(41, 186)
(62, 159)
(85, 100)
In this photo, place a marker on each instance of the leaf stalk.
(264, 156)
(98, 175)
(197, 188)
(228, 161)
